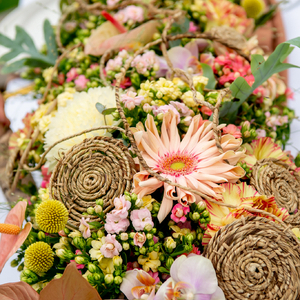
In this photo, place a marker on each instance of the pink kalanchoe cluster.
(46, 177)
(145, 62)
(111, 247)
(81, 81)
(114, 64)
(231, 66)
(183, 110)
(140, 218)
(130, 13)
(72, 74)
(165, 109)
(84, 227)
(233, 130)
(179, 213)
(260, 133)
(274, 120)
(131, 100)
(116, 220)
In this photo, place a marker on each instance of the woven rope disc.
(255, 258)
(272, 177)
(293, 220)
(99, 167)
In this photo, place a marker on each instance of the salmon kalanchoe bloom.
(194, 162)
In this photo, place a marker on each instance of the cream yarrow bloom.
(200, 81)
(151, 261)
(47, 73)
(64, 97)
(78, 115)
(39, 113)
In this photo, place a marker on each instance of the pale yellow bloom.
(47, 73)
(147, 202)
(63, 98)
(188, 99)
(170, 243)
(150, 262)
(44, 194)
(63, 243)
(107, 265)
(200, 81)
(39, 113)
(95, 252)
(75, 233)
(296, 231)
(178, 232)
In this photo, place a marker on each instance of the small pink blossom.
(134, 13)
(116, 224)
(261, 133)
(179, 213)
(193, 27)
(111, 247)
(147, 108)
(84, 227)
(62, 233)
(131, 99)
(165, 109)
(112, 2)
(155, 239)
(133, 265)
(274, 120)
(205, 110)
(81, 81)
(78, 252)
(121, 207)
(78, 266)
(46, 177)
(181, 108)
(114, 64)
(145, 62)
(289, 93)
(154, 275)
(140, 218)
(94, 66)
(233, 130)
(72, 74)
(139, 239)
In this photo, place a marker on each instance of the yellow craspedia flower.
(39, 257)
(253, 8)
(51, 216)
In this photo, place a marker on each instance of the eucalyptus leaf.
(209, 73)
(108, 111)
(13, 67)
(262, 70)
(181, 26)
(100, 107)
(50, 41)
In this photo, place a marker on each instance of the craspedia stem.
(10, 229)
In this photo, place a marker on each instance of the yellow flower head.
(39, 257)
(150, 262)
(52, 216)
(253, 8)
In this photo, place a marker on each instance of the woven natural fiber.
(97, 168)
(293, 220)
(274, 177)
(255, 258)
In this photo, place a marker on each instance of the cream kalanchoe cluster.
(194, 162)
(76, 116)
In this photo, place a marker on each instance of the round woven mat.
(97, 168)
(255, 258)
(272, 177)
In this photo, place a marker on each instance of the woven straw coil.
(255, 258)
(273, 177)
(99, 167)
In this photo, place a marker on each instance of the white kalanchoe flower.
(78, 115)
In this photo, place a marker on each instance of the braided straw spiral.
(255, 258)
(272, 177)
(99, 167)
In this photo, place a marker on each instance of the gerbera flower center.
(178, 164)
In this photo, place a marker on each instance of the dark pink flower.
(179, 213)
(72, 74)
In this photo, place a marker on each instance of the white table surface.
(292, 26)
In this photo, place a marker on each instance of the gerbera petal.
(165, 208)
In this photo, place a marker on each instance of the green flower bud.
(195, 216)
(127, 198)
(90, 210)
(90, 25)
(99, 202)
(143, 250)
(150, 243)
(14, 263)
(161, 235)
(205, 214)
(79, 242)
(98, 209)
(189, 237)
(89, 242)
(156, 206)
(148, 227)
(258, 113)
(126, 246)
(109, 278)
(124, 236)
(135, 79)
(118, 280)
(134, 196)
(58, 275)
(117, 260)
(131, 235)
(162, 257)
(169, 262)
(100, 234)
(92, 268)
(41, 235)
(149, 236)
(20, 267)
(97, 277)
(81, 260)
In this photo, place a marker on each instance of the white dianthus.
(78, 115)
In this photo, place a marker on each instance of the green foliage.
(209, 73)
(262, 70)
(264, 18)
(180, 27)
(23, 44)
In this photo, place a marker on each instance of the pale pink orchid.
(116, 224)
(233, 130)
(139, 239)
(194, 162)
(72, 74)
(137, 283)
(121, 207)
(131, 100)
(179, 213)
(10, 243)
(81, 81)
(111, 247)
(84, 227)
(192, 277)
(140, 218)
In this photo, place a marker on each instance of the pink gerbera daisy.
(194, 162)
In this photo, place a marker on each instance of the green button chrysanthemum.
(51, 216)
(39, 257)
